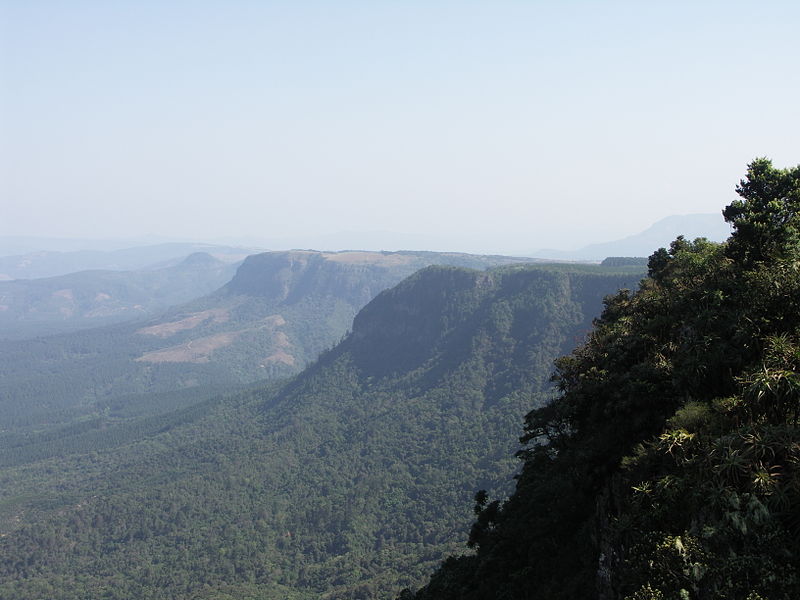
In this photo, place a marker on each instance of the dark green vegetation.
(669, 466)
(352, 480)
(30, 307)
(277, 314)
(620, 261)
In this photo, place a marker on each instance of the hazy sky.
(512, 124)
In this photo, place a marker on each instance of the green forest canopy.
(351, 481)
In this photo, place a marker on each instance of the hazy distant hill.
(30, 307)
(279, 311)
(658, 235)
(25, 244)
(351, 482)
(38, 264)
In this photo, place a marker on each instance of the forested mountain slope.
(669, 466)
(86, 299)
(352, 481)
(279, 311)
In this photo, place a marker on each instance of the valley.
(347, 425)
(350, 480)
(338, 425)
(399, 300)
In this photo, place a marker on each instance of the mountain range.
(352, 480)
(86, 299)
(278, 312)
(48, 263)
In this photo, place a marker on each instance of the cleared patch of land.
(195, 351)
(279, 357)
(214, 315)
(199, 350)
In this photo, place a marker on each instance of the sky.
(499, 126)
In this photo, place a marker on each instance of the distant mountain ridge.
(39, 264)
(658, 235)
(11, 245)
(50, 305)
(278, 312)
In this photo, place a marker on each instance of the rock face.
(293, 276)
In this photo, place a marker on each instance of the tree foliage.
(767, 217)
(668, 466)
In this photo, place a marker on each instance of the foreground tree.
(668, 467)
(767, 218)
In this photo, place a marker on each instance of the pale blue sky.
(492, 126)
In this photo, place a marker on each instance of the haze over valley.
(420, 368)
(403, 301)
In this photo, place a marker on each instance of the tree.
(667, 467)
(766, 220)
